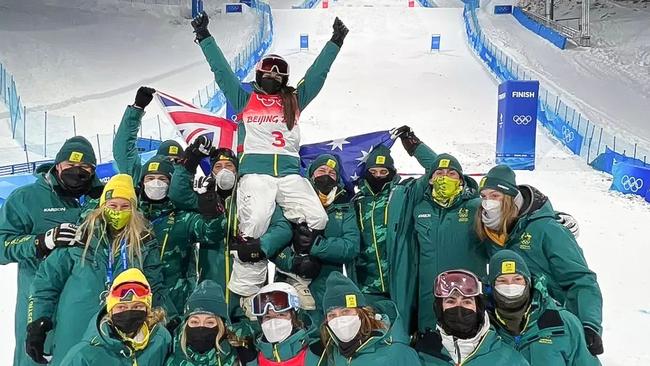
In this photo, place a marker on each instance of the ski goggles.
(277, 301)
(272, 64)
(466, 283)
(135, 288)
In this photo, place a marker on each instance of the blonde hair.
(369, 324)
(222, 332)
(133, 234)
(154, 316)
(509, 215)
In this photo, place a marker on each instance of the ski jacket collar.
(461, 349)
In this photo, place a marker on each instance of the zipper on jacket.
(276, 355)
(475, 349)
(460, 357)
(360, 215)
(374, 239)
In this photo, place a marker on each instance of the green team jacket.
(552, 335)
(99, 347)
(307, 89)
(382, 348)
(338, 246)
(550, 250)
(176, 230)
(215, 263)
(29, 211)
(228, 356)
(388, 255)
(491, 351)
(446, 240)
(68, 291)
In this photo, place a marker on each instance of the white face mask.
(513, 291)
(156, 189)
(225, 179)
(491, 215)
(277, 330)
(346, 327)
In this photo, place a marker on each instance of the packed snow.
(384, 77)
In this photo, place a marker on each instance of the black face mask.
(201, 339)
(270, 86)
(377, 184)
(76, 180)
(460, 322)
(129, 322)
(324, 184)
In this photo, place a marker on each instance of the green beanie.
(207, 298)
(76, 150)
(502, 179)
(325, 159)
(446, 161)
(158, 165)
(380, 158)
(341, 292)
(507, 262)
(171, 149)
(224, 154)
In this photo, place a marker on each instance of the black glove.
(172, 324)
(35, 341)
(429, 342)
(198, 149)
(409, 140)
(200, 25)
(594, 342)
(143, 97)
(249, 250)
(57, 237)
(304, 238)
(568, 222)
(210, 203)
(246, 353)
(340, 31)
(306, 266)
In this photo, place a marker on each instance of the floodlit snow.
(384, 77)
(609, 82)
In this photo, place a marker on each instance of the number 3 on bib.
(279, 139)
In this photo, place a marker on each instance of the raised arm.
(223, 74)
(314, 79)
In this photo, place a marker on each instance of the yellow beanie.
(119, 186)
(129, 276)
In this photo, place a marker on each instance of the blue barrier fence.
(541, 30)
(307, 4)
(590, 141)
(211, 97)
(427, 3)
(10, 98)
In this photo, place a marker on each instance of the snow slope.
(609, 82)
(385, 77)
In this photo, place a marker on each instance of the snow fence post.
(74, 125)
(25, 129)
(159, 129)
(99, 147)
(45, 135)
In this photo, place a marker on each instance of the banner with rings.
(630, 178)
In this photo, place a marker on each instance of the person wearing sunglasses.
(311, 258)
(464, 336)
(353, 333)
(528, 319)
(270, 134)
(71, 282)
(522, 219)
(127, 330)
(287, 337)
(205, 338)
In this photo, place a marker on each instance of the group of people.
(164, 266)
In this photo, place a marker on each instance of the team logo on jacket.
(546, 340)
(463, 215)
(525, 241)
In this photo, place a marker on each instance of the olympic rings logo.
(631, 183)
(521, 120)
(568, 134)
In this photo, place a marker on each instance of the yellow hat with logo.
(129, 286)
(119, 186)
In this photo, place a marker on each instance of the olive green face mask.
(445, 190)
(117, 219)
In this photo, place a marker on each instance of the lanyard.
(109, 269)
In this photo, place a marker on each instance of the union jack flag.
(192, 122)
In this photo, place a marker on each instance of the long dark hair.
(290, 105)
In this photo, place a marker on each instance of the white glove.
(60, 236)
(204, 184)
(569, 222)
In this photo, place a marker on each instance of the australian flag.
(352, 153)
